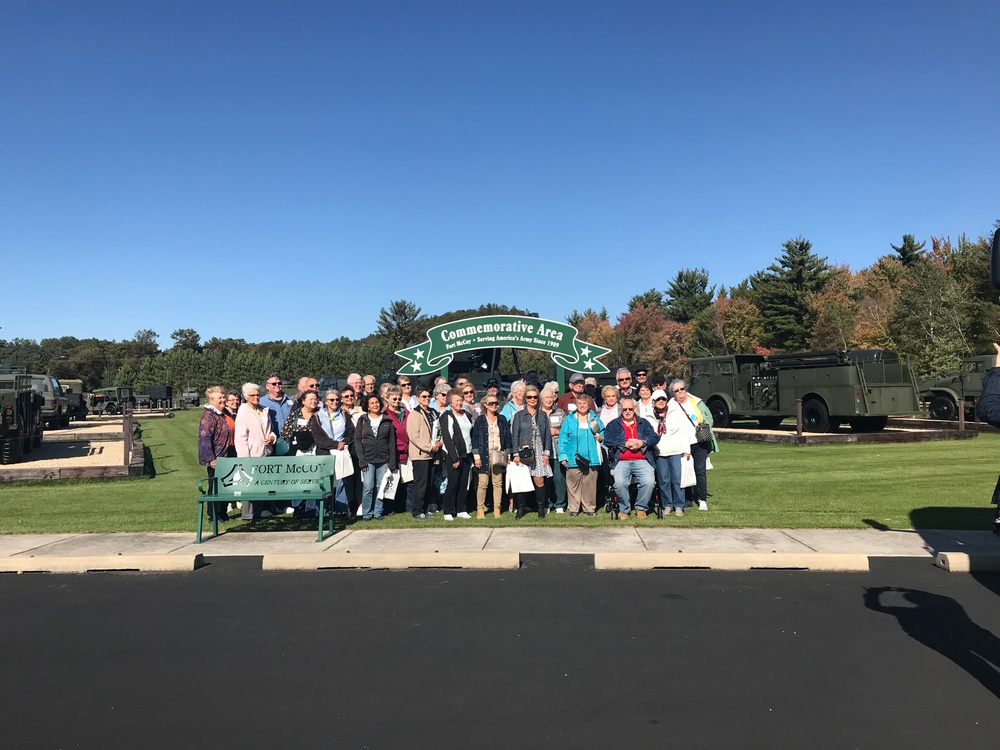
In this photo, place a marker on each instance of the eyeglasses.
(253, 395)
(405, 385)
(533, 397)
(627, 408)
(493, 403)
(468, 393)
(333, 401)
(275, 382)
(678, 390)
(624, 380)
(424, 395)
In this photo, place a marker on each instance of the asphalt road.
(555, 655)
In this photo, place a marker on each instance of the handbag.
(582, 462)
(703, 433)
(498, 460)
(387, 489)
(519, 479)
(527, 454)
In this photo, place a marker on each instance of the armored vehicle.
(944, 394)
(20, 414)
(110, 400)
(55, 405)
(862, 387)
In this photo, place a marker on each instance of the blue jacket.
(614, 439)
(574, 438)
(520, 430)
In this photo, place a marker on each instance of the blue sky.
(283, 170)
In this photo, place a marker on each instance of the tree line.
(932, 305)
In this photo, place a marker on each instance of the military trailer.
(943, 395)
(862, 387)
(21, 422)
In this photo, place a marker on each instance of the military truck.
(21, 423)
(943, 395)
(76, 403)
(110, 400)
(862, 387)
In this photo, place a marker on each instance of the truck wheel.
(110, 409)
(943, 407)
(11, 450)
(770, 423)
(869, 424)
(815, 416)
(720, 412)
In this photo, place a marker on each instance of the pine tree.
(782, 293)
(909, 251)
(688, 295)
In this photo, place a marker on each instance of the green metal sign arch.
(559, 340)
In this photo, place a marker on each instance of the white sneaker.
(464, 515)
(289, 509)
(702, 505)
(559, 510)
(449, 517)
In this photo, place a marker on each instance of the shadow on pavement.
(941, 624)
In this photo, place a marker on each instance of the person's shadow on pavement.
(940, 623)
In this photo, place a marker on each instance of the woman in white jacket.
(673, 427)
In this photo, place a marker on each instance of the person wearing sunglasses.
(456, 456)
(671, 448)
(625, 389)
(491, 448)
(629, 440)
(277, 402)
(555, 490)
(253, 439)
(332, 430)
(469, 399)
(531, 430)
(423, 449)
(695, 412)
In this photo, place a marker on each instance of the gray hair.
(441, 388)
(672, 383)
(392, 390)
(551, 386)
(249, 387)
(517, 385)
(621, 371)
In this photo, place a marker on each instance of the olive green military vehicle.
(55, 405)
(944, 395)
(21, 423)
(862, 387)
(75, 399)
(110, 400)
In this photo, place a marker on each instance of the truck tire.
(720, 412)
(111, 409)
(815, 416)
(943, 407)
(770, 423)
(11, 450)
(869, 424)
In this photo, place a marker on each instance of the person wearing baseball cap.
(567, 401)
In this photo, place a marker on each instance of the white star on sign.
(418, 354)
(416, 366)
(589, 364)
(585, 351)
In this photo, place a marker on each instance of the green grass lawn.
(944, 484)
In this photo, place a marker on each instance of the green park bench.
(274, 479)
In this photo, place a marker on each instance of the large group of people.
(451, 448)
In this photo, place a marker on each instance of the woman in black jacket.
(375, 448)
(456, 456)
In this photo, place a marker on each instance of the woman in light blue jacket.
(580, 453)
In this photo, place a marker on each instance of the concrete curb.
(89, 563)
(962, 562)
(393, 560)
(815, 561)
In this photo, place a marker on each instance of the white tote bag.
(343, 464)
(519, 478)
(406, 471)
(688, 478)
(387, 489)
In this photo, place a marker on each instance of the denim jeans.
(340, 504)
(668, 478)
(371, 480)
(623, 473)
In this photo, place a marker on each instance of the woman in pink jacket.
(254, 437)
